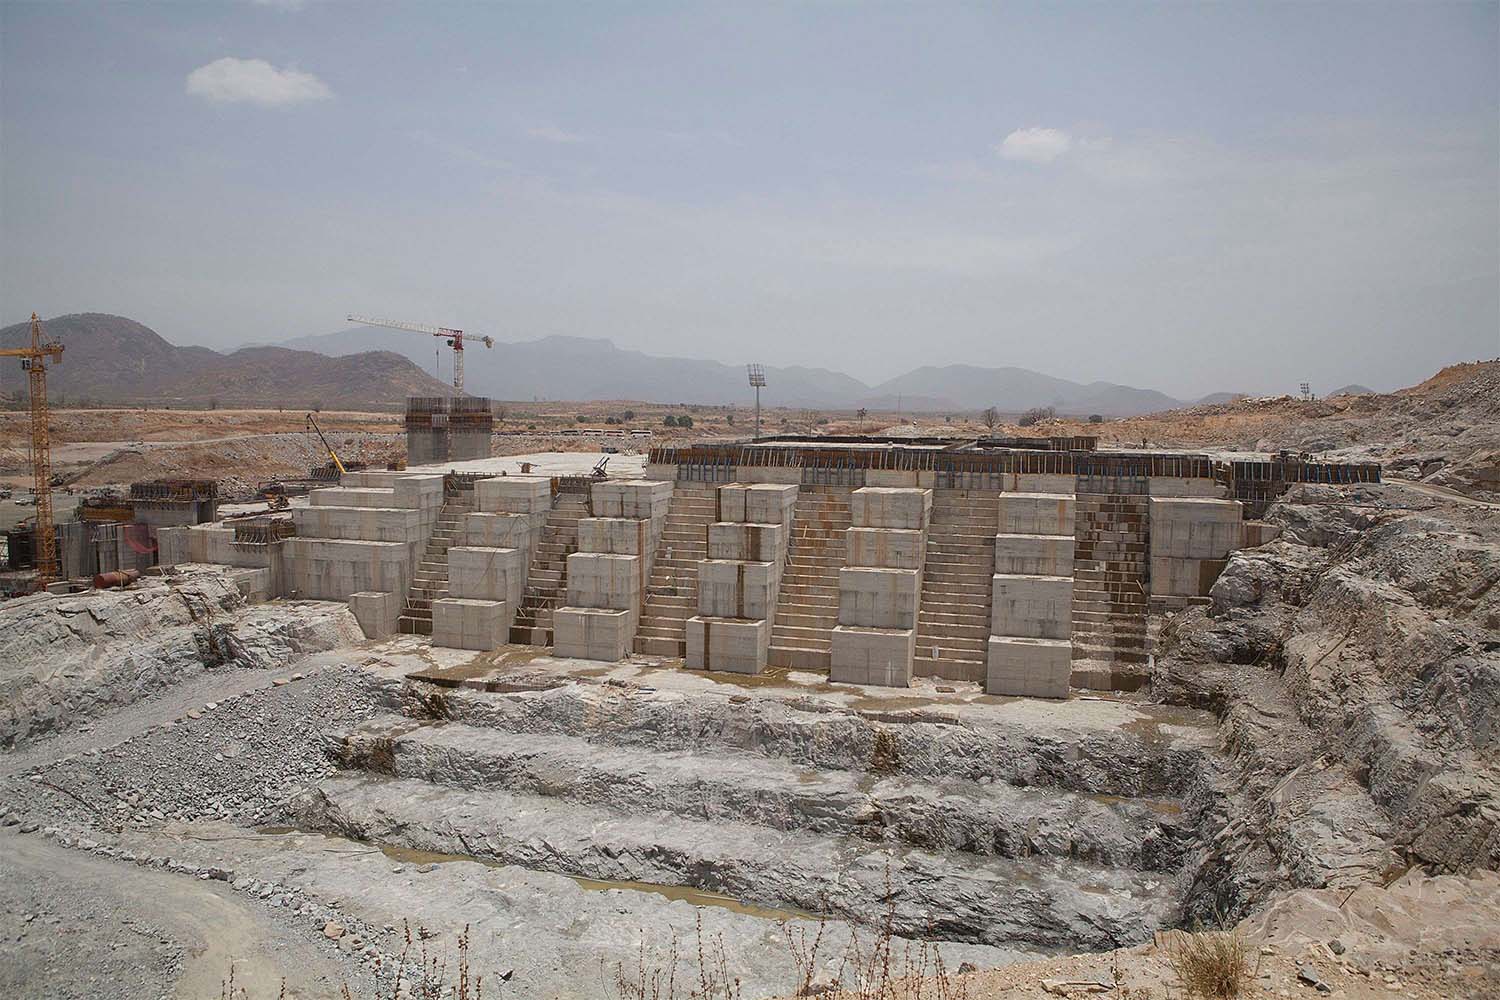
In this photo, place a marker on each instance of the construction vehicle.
(34, 362)
(326, 446)
(454, 337)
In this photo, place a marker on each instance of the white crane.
(454, 337)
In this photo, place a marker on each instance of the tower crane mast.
(454, 337)
(34, 361)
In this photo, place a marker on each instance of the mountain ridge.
(563, 366)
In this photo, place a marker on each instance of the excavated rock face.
(67, 658)
(1356, 666)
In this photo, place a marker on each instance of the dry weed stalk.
(654, 980)
(1214, 965)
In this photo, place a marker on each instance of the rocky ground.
(1320, 767)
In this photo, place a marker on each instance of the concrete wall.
(1034, 555)
(1190, 528)
(1037, 513)
(371, 524)
(1174, 486)
(1033, 607)
(488, 573)
(1029, 668)
(468, 624)
(353, 496)
(893, 548)
(329, 569)
(886, 507)
(878, 597)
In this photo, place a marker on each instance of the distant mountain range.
(114, 359)
(558, 367)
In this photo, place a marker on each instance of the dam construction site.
(890, 714)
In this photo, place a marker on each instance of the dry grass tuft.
(1215, 965)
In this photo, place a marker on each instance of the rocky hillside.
(1355, 666)
(114, 359)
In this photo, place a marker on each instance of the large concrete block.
(736, 645)
(600, 580)
(174, 547)
(371, 524)
(879, 598)
(622, 536)
(639, 499)
(1193, 528)
(1028, 668)
(781, 474)
(593, 633)
(1040, 482)
(1173, 486)
(506, 531)
(1035, 607)
(872, 656)
(1034, 555)
(1037, 513)
(514, 495)
(1184, 577)
(349, 496)
(747, 542)
(893, 548)
(486, 573)
(737, 589)
(732, 503)
(890, 507)
(466, 624)
(329, 569)
(898, 478)
(420, 491)
(371, 479)
(770, 503)
(376, 611)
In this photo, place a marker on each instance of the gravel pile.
(241, 760)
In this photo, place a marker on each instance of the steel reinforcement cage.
(1253, 481)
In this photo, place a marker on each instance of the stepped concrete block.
(349, 496)
(782, 475)
(896, 478)
(487, 573)
(514, 495)
(376, 611)
(639, 499)
(1037, 513)
(872, 656)
(620, 536)
(1028, 668)
(889, 507)
(593, 633)
(601, 580)
(1034, 555)
(371, 524)
(1173, 486)
(329, 569)
(892, 548)
(770, 503)
(506, 531)
(1193, 528)
(879, 598)
(371, 479)
(1028, 482)
(731, 500)
(1184, 577)
(746, 542)
(459, 623)
(735, 645)
(731, 589)
(420, 491)
(1033, 607)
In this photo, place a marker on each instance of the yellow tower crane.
(34, 361)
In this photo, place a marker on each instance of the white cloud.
(254, 81)
(1035, 145)
(551, 133)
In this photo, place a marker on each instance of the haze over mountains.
(114, 359)
(560, 367)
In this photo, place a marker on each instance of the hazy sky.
(1189, 198)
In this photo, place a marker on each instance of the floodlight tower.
(758, 381)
